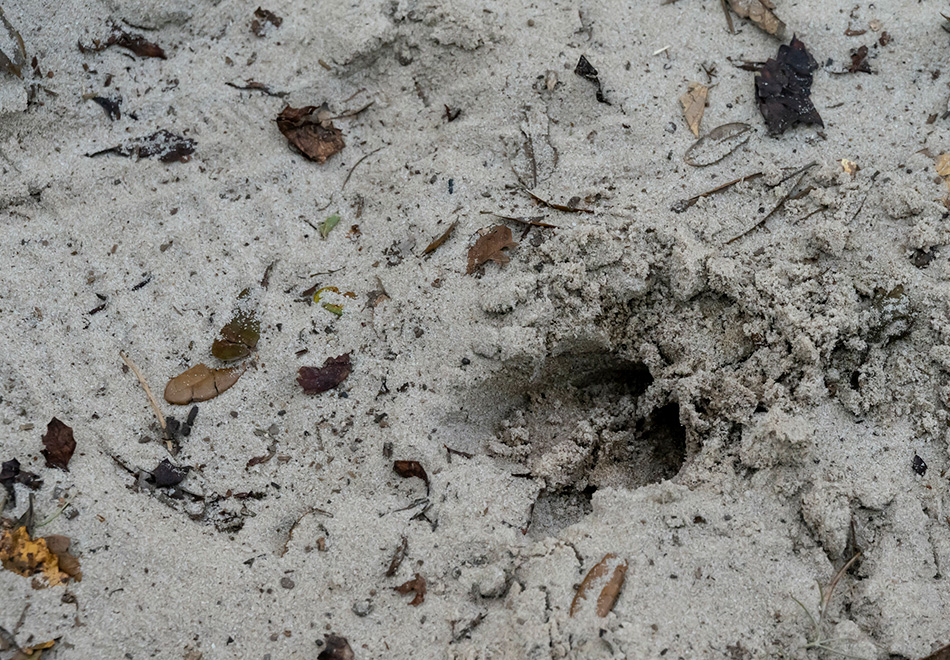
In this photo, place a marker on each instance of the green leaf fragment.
(327, 225)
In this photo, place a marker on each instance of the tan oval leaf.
(608, 575)
(200, 383)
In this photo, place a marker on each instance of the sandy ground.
(734, 419)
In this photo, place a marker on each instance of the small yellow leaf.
(849, 166)
(694, 105)
(27, 557)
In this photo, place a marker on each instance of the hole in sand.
(591, 422)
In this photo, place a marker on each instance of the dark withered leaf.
(489, 247)
(168, 474)
(111, 104)
(135, 43)
(587, 71)
(263, 18)
(241, 334)
(336, 648)
(859, 61)
(13, 54)
(59, 443)
(311, 131)
(334, 371)
(11, 473)
(417, 586)
(783, 88)
(163, 145)
(408, 469)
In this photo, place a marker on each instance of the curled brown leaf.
(311, 131)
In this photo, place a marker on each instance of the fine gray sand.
(729, 399)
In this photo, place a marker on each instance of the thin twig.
(684, 204)
(725, 10)
(802, 171)
(555, 206)
(350, 173)
(534, 221)
(148, 392)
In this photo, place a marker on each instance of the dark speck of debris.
(466, 362)
(919, 466)
(287, 583)
(451, 186)
(141, 284)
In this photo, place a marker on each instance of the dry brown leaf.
(334, 371)
(311, 131)
(200, 383)
(59, 445)
(27, 557)
(694, 105)
(608, 574)
(489, 247)
(417, 586)
(760, 12)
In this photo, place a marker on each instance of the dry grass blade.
(437, 243)
(148, 391)
(555, 206)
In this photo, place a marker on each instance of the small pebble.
(286, 583)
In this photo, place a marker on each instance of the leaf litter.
(760, 12)
(608, 575)
(135, 43)
(783, 88)
(587, 71)
(240, 335)
(416, 586)
(59, 445)
(694, 105)
(49, 556)
(11, 474)
(12, 50)
(334, 371)
(263, 21)
(311, 131)
(163, 145)
(437, 243)
(489, 247)
(200, 383)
